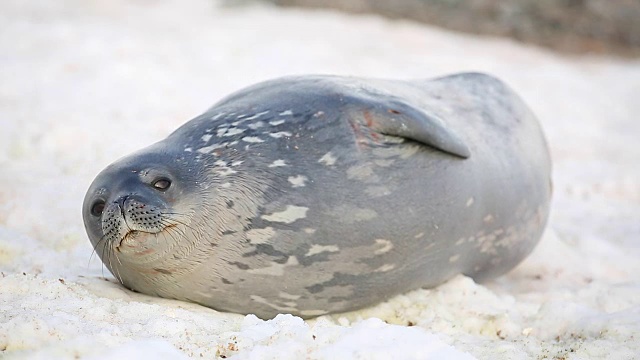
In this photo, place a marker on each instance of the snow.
(83, 83)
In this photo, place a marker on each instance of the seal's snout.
(114, 226)
(122, 200)
(130, 213)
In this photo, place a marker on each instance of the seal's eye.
(162, 184)
(97, 208)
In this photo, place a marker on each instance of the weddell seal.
(318, 194)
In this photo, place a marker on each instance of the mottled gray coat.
(318, 194)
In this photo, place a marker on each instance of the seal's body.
(312, 195)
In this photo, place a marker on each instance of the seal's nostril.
(121, 200)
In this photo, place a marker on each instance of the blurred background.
(573, 26)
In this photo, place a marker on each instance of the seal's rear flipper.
(397, 118)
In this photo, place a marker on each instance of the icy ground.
(85, 82)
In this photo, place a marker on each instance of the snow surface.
(85, 82)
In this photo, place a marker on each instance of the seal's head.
(139, 209)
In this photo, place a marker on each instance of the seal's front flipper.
(397, 118)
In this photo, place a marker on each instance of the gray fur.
(317, 194)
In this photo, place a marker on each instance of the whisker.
(173, 228)
(109, 260)
(117, 258)
(172, 233)
(93, 251)
(119, 277)
(104, 247)
(176, 220)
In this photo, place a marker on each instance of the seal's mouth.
(131, 236)
(134, 238)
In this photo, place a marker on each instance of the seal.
(319, 194)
